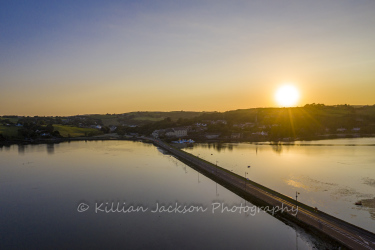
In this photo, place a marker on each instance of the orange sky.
(193, 56)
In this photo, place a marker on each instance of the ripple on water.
(369, 181)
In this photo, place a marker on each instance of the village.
(276, 124)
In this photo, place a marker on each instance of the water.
(329, 174)
(43, 186)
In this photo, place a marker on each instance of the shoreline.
(197, 140)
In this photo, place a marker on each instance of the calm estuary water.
(42, 187)
(329, 174)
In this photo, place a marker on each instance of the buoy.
(248, 166)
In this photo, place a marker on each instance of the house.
(201, 124)
(171, 132)
(96, 126)
(219, 122)
(158, 133)
(180, 132)
(176, 132)
(261, 133)
(236, 136)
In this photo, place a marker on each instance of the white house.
(261, 133)
(171, 132)
(176, 132)
(180, 132)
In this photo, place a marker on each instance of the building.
(177, 132)
(236, 136)
(171, 132)
(158, 133)
(262, 133)
(212, 136)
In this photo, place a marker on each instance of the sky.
(95, 57)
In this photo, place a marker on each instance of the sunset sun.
(287, 96)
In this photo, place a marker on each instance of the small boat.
(358, 203)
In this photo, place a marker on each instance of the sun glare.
(287, 96)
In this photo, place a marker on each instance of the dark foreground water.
(60, 196)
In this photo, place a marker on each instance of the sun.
(287, 96)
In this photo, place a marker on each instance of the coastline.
(110, 137)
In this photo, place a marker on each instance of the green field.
(14, 120)
(147, 118)
(110, 121)
(10, 131)
(158, 116)
(98, 116)
(65, 130)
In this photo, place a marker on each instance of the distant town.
(313, 121)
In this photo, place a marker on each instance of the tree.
(49, 128)
(56, 134)
(105, 129)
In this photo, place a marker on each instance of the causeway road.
(344, 233)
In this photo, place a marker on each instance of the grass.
(10, 131)
(110, 121)
(148, 118)
(101, 116)
(14, 120)
(106, 119)
(66, 130)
